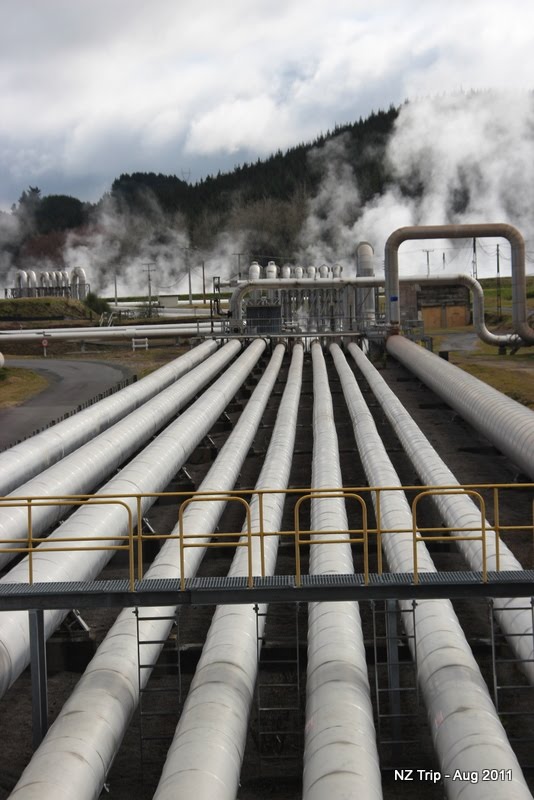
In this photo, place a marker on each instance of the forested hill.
(265, 203)
(277, 177)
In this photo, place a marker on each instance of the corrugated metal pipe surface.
(456, 510)
(340, 755)
(79, 748)
(464, 724)
(204, 760)
(506, 423)
(92, 463)
(150, 471)
(22, 461)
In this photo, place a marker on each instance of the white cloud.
(109, 85)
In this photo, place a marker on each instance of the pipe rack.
(464, 724)
(150, 471)
(340, 754)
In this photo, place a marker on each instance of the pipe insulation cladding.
(22, 461)
(457, 510)
(465, 727)
(150, 471)
(205, 757)
(91, 464)
(78, 750)
(506, 423)
(340, 753)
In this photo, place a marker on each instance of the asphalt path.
(70, 384)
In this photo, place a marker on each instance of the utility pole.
(149, 268)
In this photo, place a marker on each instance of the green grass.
(44, 308)
(18, 385)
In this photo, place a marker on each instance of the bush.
(96, 304)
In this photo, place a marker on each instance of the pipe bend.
(524, 332)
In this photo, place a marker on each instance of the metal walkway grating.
(277, 588)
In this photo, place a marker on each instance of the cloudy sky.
(93, 88)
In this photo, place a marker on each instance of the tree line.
(266, 201)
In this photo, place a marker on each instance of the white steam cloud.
(460, 158)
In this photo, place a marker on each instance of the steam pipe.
(87, 467)
(340, 754)
(244, 287)
(368, 282)
(519, 303)
(22, 461)
(80, 746)
(457, 511)
(477, 293)
(506, 423)
(465, 727)
(150, 471)
(206, 754)
(162, 331)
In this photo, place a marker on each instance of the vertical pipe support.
(38, 676)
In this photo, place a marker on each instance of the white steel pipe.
(150, 471)
(465, 727)
(391, 266)
(163, 331)
(87, 467)
(457, 511)
(364, 284)
(78, 750)
(340, 755)
(506, 423)
(206, 754)
(22, 461)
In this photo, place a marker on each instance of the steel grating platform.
(274, 589)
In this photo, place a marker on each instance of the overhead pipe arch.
(501, 230)
(78, 280)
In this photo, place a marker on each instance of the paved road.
(70, 383)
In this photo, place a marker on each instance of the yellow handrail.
(368, 500)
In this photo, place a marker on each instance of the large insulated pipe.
(340, 754)
(519, 301)
(465, 728)
(506, 423)
(87, 467)
(78, 750)
(457, 511)
(22, 461)
(206, 754)
(150, 471)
